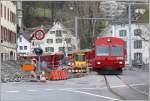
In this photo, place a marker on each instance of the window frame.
(137, 44)
(137, 32)
(59, 41)
(122, 33)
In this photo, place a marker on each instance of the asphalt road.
(89, 88)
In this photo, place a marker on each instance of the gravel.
(142, 68)
(11, 71)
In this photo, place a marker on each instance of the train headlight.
(108, 40)
(120, 62)
(99, 63)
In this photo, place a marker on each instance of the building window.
(69, 48)
(138, 58)
(49, 40)
(137, 32)
(8, 14)
(58, 40)
(52, 32)
(64, 32)
(138, 44)
(2, 33)
(1, 10)
(20, 47)
(49, 49)
(5, 34)
(58, 33)
(61, 48)
(25, 47)
(5, 12)
(20, 39)
(68, 40)
(122, 33)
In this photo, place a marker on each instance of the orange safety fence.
(58, 75)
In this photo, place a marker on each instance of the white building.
(55, 39)
(23, 46)
(139, 47)
(8, 30)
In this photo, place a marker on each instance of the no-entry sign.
(39, 34)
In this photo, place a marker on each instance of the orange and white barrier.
(43, 76)
(58, 75)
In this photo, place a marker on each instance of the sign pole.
(39, 35)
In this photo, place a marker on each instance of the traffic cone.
(65, 74)
(52, 75)
(61, 74)
(56, 76)
(43, 77)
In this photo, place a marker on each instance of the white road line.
(77, 91)
(13, 91)
(49, 89)
(32, 90)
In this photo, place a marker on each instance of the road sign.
(39, 34)
(38, 51)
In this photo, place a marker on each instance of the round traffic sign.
(39, 34)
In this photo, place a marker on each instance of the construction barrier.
(58, 75)
(43, 77)
(28, 67)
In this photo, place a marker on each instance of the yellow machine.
(79, 63)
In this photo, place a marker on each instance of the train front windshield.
(102, 50)
(117, 50)
(80, 57)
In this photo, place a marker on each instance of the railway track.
(111, 90)
(124, 82)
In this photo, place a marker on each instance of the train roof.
(108, 40)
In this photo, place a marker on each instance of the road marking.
(14, 91)
(49, 89)
(32, 90)
(77, 91)
(102, 88)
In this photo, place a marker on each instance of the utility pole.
(129, 36)
(76, 33)
(93, 34)
(76, 26)
(149, 31)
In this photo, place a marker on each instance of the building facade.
(23, 46)
(139, 45)
(8, 30)
(57, 38)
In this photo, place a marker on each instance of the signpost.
(39, 35)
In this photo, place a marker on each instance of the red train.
(108, 53)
